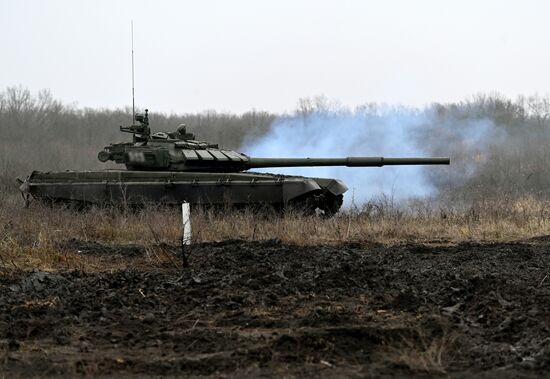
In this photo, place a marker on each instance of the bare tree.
(539, 109)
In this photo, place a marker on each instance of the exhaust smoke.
(379, 131)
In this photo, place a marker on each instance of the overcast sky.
(238, 55)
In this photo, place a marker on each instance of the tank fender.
(298, 187)
(24, 185)
(336, 187)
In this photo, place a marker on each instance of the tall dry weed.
(31, 235)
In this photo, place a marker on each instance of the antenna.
(133, 101)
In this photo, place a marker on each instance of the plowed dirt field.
(267, 309)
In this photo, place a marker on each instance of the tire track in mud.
(266, 308)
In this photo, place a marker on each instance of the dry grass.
(28, 236)
(425, 355)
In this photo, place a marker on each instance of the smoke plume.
(375, 131)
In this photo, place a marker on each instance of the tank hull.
(124, 187)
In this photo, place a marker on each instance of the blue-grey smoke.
(389, 132)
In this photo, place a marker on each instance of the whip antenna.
(133, 101)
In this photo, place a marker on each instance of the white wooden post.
(186, 222)
(186, 232)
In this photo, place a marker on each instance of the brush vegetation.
(29, 237)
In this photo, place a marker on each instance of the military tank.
(170, 168)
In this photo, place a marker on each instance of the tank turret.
(180, 151)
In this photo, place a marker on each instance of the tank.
(175, 167)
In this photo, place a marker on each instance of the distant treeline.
(509, 160)
(40, 133)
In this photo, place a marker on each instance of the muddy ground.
(274, 310)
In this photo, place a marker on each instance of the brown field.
(417, 290)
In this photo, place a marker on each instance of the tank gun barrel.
(348, 162)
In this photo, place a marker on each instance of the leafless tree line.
(511, 161)
(40, 133)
